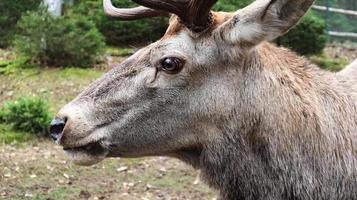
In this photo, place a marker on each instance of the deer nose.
(56, 128)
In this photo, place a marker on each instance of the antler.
(130, 13)
(194, 14)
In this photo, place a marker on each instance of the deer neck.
(270, 136)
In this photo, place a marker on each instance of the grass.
(9, 136)
(15, 65)
(58, 86)
(58, 193)
(114, 51)
(325, 62)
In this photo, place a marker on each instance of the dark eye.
(171, 65)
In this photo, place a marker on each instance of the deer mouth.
(93, 148)
(87, 154)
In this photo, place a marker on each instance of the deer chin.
(88, 154)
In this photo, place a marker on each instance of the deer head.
(171, 97)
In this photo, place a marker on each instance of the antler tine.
(131, 13)
(201, 11)
(178, 7)
(194, 14)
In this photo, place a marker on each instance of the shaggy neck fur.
(292, 136)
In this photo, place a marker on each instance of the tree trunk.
(54, 6)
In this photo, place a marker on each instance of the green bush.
(58, 41)
(11, 12)
(26, 114)
(120, 33)
(308, 37)
(15, 65)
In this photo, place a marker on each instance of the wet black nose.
(56, 128)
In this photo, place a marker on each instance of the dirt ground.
(39, 170)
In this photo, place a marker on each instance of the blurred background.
(51, 49)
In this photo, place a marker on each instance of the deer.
(257, 120)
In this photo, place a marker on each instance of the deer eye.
(171, 65)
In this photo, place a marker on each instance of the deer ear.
(263, 20)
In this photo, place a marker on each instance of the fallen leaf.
(66, 175)
(27, 194)
(122, 169)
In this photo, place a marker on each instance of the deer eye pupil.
(171, 65)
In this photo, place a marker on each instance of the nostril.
(56, 128)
